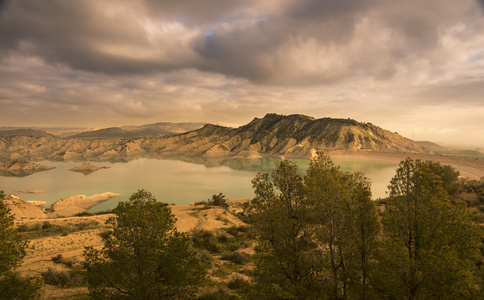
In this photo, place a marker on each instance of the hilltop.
(25, 132)
(149, 130)
(273, 135)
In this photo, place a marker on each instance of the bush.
(84, 214)
(236, 257)
(12, 286)
(58, 259)
(235, 230)
(205, 239)
(237, 283)
(105, 234)
(220, 294)
(222, 238)
(23, 228)
(46, 225)
(64, 278)
(218, 200)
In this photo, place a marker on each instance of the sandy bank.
(468, 167)
(78, 203)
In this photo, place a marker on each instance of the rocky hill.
(24, 132)
(20, 167)
(87, 167)
(143, 131)
(162, 129)
(105, 133)
(274, 135)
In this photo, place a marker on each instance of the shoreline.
(471, 168)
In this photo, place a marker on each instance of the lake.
(180, 180)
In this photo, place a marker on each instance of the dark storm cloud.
(185, 60)
(481, 2)
(85, 35)
(265, 43)
(201, 12)
(4, 4)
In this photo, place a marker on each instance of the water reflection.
(181, 180)
(20, 173)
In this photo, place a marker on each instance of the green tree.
(431, 241)
(347, 227)
(317, 235)
(12, 246)
(218, 200)
(144, 256)
(12, 252)
(279, 215)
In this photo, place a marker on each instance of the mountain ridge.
(273, 135)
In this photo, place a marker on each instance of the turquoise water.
(181, 180)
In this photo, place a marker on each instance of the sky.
(414, 67)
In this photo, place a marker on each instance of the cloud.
(228, 61)
(297, 42)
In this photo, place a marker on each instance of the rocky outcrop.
(24, 132)
(20, 167)
(31, 191)
(143, 131)
(274, 135)
(78, 203)
(22, 209)
(87, 168)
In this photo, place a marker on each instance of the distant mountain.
(296, 136)
(431, 147)
(162, 129)
(25, 132)
(143, 131)
(470, 153)
(106, 133)
(271, 136)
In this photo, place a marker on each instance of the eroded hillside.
(273, 135)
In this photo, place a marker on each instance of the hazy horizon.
(412, 67)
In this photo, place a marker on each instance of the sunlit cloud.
(416, 67)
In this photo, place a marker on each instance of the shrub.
(84, 214)
(57, 259)
(63, 278)
(236, 257)
(235, 230)
(23, 228)
(13, 286)
(46, 225)
(220, 294)
(205, 239)
(218, 200)
(237, 283)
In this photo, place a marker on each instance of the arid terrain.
(471, 168)
(296, 136)
(57, 236)
(66, 238)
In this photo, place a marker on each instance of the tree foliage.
(144, 256)
(218, 200)
(322, 237)
(12, 247)
(12, 252)
(316, 233)
(281, 217)
(347, 227)
(433, 241)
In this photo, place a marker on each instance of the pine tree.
(144, 256)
